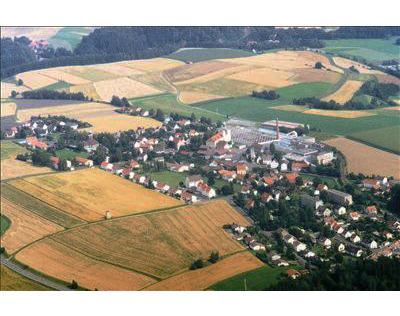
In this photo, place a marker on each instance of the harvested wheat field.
(266, 76)
(342, 114)
(118, 69)
(347, 63)
(387, 79)
(11, 281)
(315, 75)
(115, 122)
(25, 228)
(218, 74)
(59, 261)
(194, 97)
(60, 74)
(89, 193)
(87, 89)
(201, 279)
(154, 79)
(35, 80)
(190, 71)
(291, 108)
(7, 87)
(12, 168)
(90, 73)
(345, 93)
(122, 87)
(7, 108)
(160, 243)
(155, 64)
(366, 159)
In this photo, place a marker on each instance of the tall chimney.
(277, 129)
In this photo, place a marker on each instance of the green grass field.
(256, 280)
(387, 138)
(70, 154)
(10, 149)
(369, 49)
(69, 37)
(201, 54)
(169, 104)
(4, 224)
(331, 182)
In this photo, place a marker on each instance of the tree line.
(54, 95)
(266, 94)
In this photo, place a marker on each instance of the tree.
(73, 285)
(290, 253)
(393, 204)
(116, 101)
(214, 257)
(13, 94)
(318, 65)
(299, 181)
(227, 189)
(198, 264)
(20, 82)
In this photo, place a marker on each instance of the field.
(366, 159)
(36, 80)
(88, 194)
(202, 54)
(369, 49)
(380, 137)
(7, 87)
(11, 281)
(8, 108)
(256, 280)
(189, 97)
(201, 279)
(346, 63)
(330, 182)
(10, 149)
(67, 153)
(161, 243)
(26, 227)
(43, 210)
(343, 114)
(345, 93)
(122, 87)
(4, 224)
(169, 104)
(66, 264)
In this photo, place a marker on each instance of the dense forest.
(351, 275)
(110, 44)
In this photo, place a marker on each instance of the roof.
(215, 138)
(91, 142)
(227, 173)
(292, 272)
(241, 167)
(371, 181)
(291, 177)
(82, 160)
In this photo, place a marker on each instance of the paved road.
(33, 276)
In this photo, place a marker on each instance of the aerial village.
(304, 210)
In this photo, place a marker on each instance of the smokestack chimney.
(277, 129)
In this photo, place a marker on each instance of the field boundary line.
(76, 217)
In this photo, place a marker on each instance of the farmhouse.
(35, 143)
(371, 183)
(193, 181)
(84, 161)
(205, 190)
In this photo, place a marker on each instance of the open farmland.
(202, 54)
(256, 280)
(90, 73)
(7, 87)
(7, 108)
(123, 87)
(359, 158)
(194, 97)
(10, 149)
(201, 279)
(87, 89)
(25, 228)
(11, 281)
(59, 74)
(342, 114)
(159, 243)
(36, 80)
(345, 93)
(155, 64)
(89, 193)
(38, 207)
(347, 63)
(370, 49)
(69, 37)
(66, 264)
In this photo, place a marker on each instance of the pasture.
(25, 228)
(69, 37)
(67, 153)
(89, 193)
(369, 49)
(38, 207)
(201, 279)
(10, 149)
(160, 243)
(66, 264)
(11, 281)
(366, 159)
(202, 54)
(256, 280)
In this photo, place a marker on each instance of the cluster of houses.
(240, 234)
(298, 246)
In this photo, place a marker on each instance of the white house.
(284, 166)
(256, 246)
(309, 254)
(193, 181)
(326, 242)
(341, 247)
(298, 246)
(373, 245)
(238, 228)
(341, 210)
(355, 239)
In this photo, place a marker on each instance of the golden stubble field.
(11, 281)
(345, 93)
(347, 63)
(367, 160)
(198, 280)
(89, 193)
(159, 243)
(61, 262)
(25, 228)
(8, 108)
